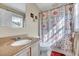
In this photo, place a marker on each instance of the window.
(17, 21)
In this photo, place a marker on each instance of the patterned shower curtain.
(56, 26)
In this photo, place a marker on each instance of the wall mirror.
(11, 17)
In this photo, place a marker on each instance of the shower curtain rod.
(57, 7)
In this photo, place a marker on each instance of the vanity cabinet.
(35, 50)
(24, 52)
(76, 44)
(32, 50)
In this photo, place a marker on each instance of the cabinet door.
(24, 52)
(35, 49)
(76, 44)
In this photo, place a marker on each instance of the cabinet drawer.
(24, 52)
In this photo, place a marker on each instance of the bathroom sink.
(20, 42)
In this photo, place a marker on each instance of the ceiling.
(18, 6)
(48, 6)
(42, 6)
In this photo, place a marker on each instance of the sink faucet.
(17, 38)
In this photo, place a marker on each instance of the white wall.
(6, 17)
(8, 31)
(32, 27)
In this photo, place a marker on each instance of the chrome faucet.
(17, 38)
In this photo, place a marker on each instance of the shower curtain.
(56, 27)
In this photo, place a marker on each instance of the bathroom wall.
(6, 25)
(6, 17)
(8, 31)
(30, 25)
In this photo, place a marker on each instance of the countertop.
(7, 50)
